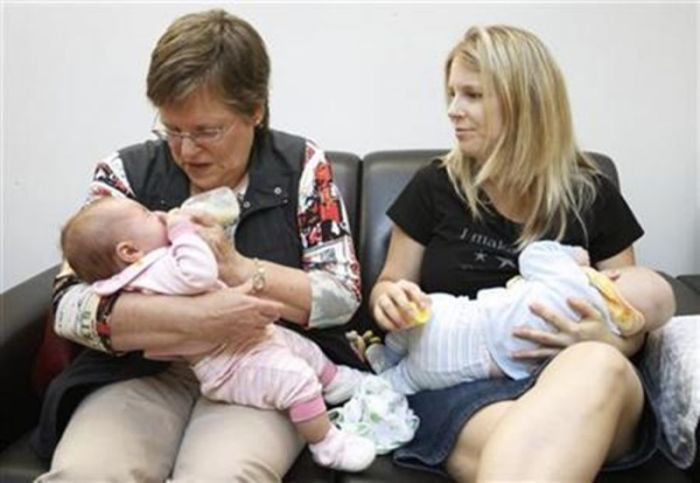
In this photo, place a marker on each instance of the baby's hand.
(419, 316)
(175, 216)
(199, 217)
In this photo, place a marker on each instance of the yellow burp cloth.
(628, 319)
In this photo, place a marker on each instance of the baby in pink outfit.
(116, 243)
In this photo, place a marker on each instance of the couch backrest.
(384, 175)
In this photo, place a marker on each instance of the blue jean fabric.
(443, 413)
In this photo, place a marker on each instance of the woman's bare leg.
(463, 462)
(583, 409)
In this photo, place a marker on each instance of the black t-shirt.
(463, 255)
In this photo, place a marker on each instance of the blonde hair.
(534, 158)
(88, 241)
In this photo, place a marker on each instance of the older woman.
(130, 419)
(514, 176)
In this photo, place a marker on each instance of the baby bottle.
(221, 203)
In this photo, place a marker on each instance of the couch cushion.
(656, 470)
(19, 464)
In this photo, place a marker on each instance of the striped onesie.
(466, 340)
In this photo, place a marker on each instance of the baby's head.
(646, 291)
(109, 234)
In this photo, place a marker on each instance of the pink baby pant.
(284, 372)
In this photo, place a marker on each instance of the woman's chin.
(469, 148)
(201, 185)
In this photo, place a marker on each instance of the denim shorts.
(443, 413)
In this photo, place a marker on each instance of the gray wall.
(353, 77)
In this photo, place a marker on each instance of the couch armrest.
(692, 281)
(687, 300)
(672, 361)
(23, 310)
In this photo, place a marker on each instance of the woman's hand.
(395, 296)
(591, 327)
(154, 322)
(397, 305)
(232, 265)
(233, 314)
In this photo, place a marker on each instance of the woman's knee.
(615, 388)
(130, 422)
(598, 358)
(610, 373)
(227, 442)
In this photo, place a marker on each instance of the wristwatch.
(258, 277)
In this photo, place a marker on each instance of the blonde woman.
(514, 176)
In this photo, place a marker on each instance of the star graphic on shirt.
(505, 262)
(480, 256)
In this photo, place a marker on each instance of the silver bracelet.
(258, 278)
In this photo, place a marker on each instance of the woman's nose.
(455, 108)
(188, 147)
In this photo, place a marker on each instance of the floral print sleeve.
(81, 315)
(328, 253)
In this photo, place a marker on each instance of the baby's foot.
(357, 344)
(370, 349)
(360, 343)
(342, 386)
(343, 451)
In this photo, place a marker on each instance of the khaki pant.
(158, 428)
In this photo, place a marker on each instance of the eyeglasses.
(202, 138)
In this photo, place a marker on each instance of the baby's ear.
(128, 252)
(612, 273)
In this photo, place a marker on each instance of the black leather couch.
(368, 186)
